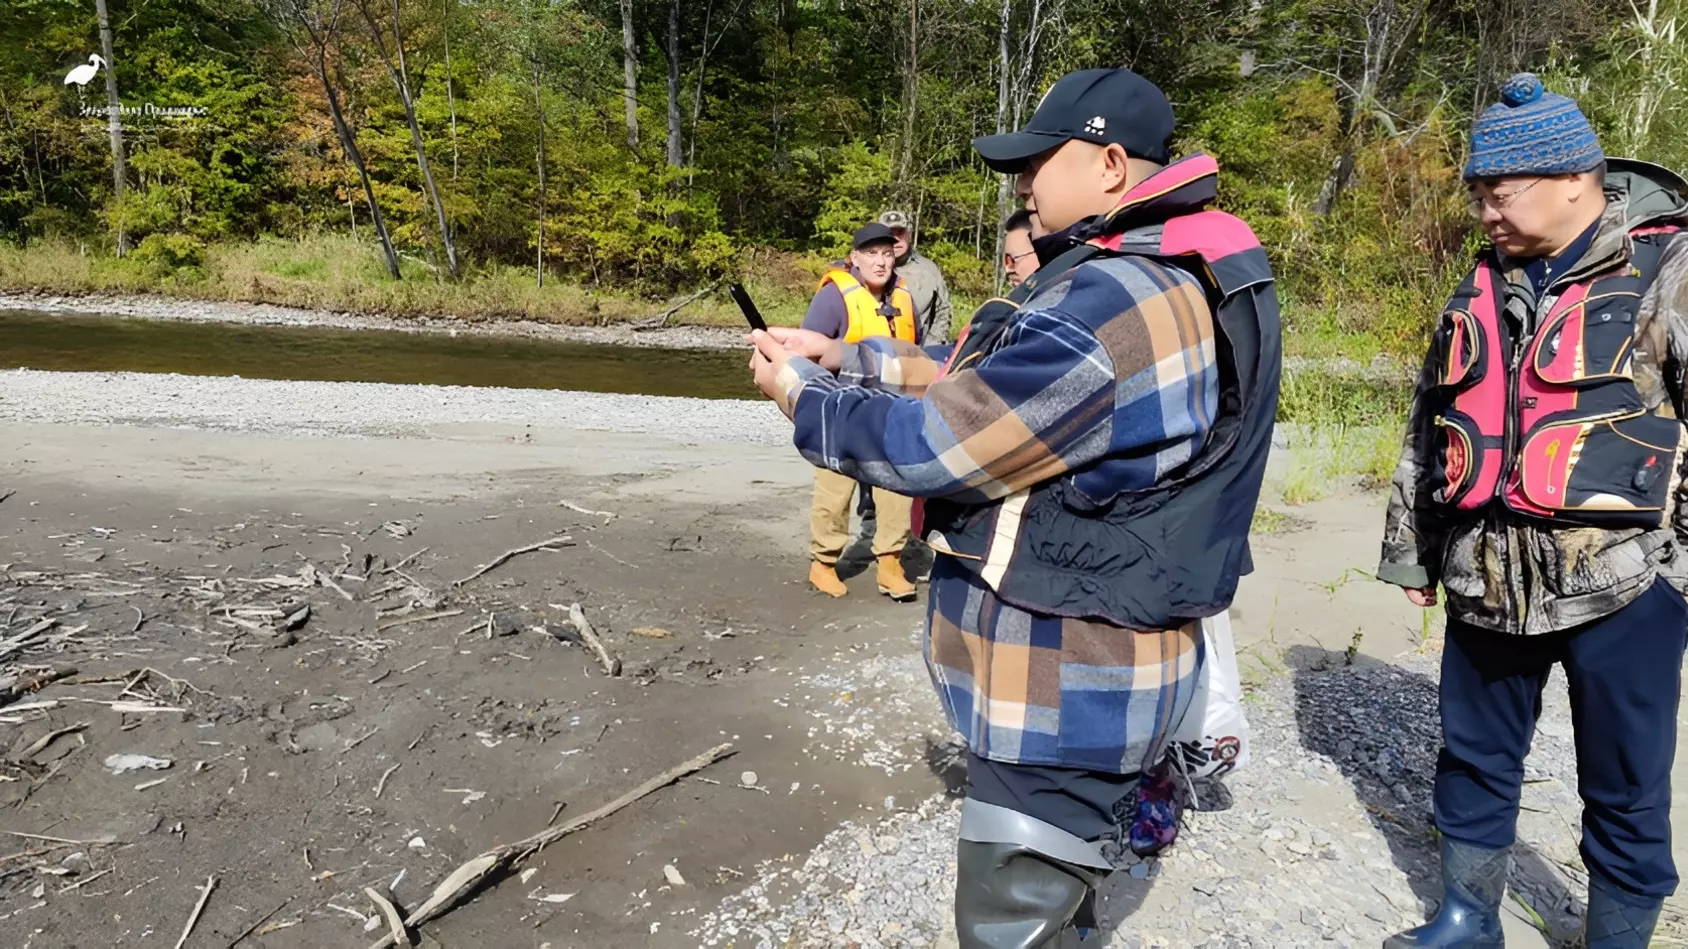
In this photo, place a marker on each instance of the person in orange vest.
(859, 298)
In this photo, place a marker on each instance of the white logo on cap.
(1096, 126)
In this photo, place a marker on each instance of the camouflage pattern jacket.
(1507, 573)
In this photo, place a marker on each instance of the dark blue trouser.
(1625, 674)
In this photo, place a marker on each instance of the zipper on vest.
(1520, 345)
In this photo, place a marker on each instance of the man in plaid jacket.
(1090, 454)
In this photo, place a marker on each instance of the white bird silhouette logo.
(81, 74)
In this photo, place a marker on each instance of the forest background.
(601, 160)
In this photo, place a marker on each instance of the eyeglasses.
(1498, 201)
(1015, 258)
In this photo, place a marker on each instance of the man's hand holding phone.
(774, 348)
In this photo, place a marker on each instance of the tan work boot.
(825, 579)
(892, 583)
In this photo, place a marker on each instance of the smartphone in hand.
(752, 315)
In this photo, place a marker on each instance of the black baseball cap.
(872, 234)
(1102, 106)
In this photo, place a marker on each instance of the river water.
(30, 340)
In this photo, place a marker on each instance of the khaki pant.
(829, 519)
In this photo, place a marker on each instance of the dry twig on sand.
(468, 877)
(199, 908)
(261, 921)
(395, 924)
(382, 784)
(551, 544)
(9, 646)
(405, 562)
(606, 515)
(40, 744)
(577, 616)
(425, 617)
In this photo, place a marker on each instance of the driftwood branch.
(469, 877)
(395, 923)
(577, 616)
(423, 618)
(9, 646)
(16, 687)
(661, 319)
(406, 561)
(40, 744)
(606, 515)
(552, 544)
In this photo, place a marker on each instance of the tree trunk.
(1389, 33)
(911, 101)
(630, 73)
(349, 144)
(400, 76)
(450, 97)
(114, 125)
(697, 96)
(1005, 186)
(539, 110)
(676, 158)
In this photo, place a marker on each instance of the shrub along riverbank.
(335, 273)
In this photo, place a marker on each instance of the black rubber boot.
(1011, 897)
(1473, 882)
(1619, 920)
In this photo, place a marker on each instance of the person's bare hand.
(1422, 597)
(823, 350)
(766, 362)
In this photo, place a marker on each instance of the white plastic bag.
(1212, 739)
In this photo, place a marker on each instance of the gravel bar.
(264, 406)
(1323, 840)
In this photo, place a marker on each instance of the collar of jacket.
(1183, 187)
(1638, 194)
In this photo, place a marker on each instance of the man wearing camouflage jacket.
(1533, 488)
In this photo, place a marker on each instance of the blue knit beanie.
(1531, 132)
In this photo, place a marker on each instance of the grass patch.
(1269, 520)
(1326, 458)
(332, 272)
(1321, 398)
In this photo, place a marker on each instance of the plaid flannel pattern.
(1108, 377)
(1051, 690)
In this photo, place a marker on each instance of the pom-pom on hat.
(1531, 132)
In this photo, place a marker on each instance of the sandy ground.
(703, 547)
(352, 753)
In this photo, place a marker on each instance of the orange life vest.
(863, 309)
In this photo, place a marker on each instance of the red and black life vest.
(1553, 426)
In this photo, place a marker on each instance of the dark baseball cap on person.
(872, 234)
(1101, 106)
